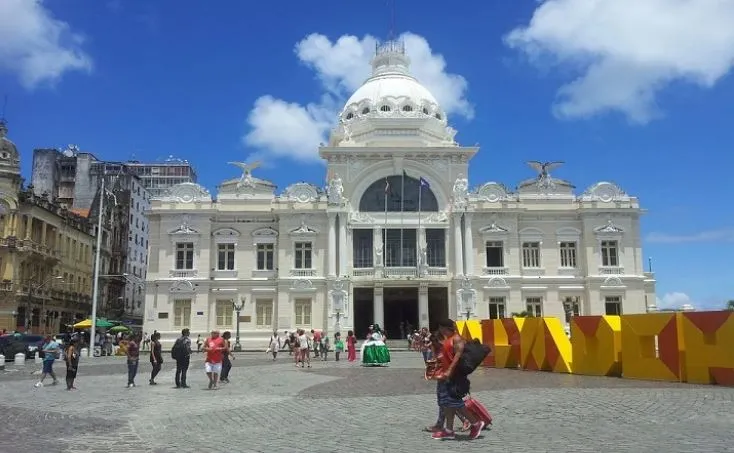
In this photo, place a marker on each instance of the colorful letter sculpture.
(597, 345)
(650, 347)
(709, 347)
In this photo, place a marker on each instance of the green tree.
(730, 305)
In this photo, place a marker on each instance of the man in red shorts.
(214, 349)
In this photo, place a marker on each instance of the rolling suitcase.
(478, 410)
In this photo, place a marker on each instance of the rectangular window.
(265, 255)
(571, 307)
(225, 257)
(264, 313)
(534, 306)
(568, 254)
(224, 311)
(362, 248)
(303, 255)
(531, 254)
(397, 255)
(495, 254)
(496, 307)
(436, 247)
(613, 305)
(609, 253)
(185, 255)
(303, 312)
(181, 313)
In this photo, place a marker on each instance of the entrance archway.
(401, 305)
(399, 193)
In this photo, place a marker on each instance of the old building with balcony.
(45, 255)
(396, 236)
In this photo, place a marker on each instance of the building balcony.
(183, 273)
(495, 270)
(363, 272)
(611, 270)
(568, 271)
(533, 271)
(401, 272)
(303, 273)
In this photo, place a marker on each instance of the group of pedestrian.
(51, 351)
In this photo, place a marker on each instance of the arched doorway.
(398, 193)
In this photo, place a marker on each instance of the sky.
(638, 93)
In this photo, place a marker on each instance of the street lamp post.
(237, 308)
(97, 256)
(31, 290)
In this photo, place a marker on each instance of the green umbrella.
(119, 329)
(103, 323)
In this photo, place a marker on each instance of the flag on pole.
(423, 183)
(387, 186)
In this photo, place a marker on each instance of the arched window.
(376, 196)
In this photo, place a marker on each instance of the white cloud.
(37, 47)
(674, 300)
(628, 50)
(287, 129)
(724, 235)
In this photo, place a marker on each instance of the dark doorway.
(401, 305)
(438, 306)
(364, 313)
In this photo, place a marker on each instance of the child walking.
(338, 345)
(351, 346)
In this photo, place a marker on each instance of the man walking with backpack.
(181, 353)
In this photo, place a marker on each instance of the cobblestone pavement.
(341, 407)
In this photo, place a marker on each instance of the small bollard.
(83, 353)
(2, 362)
(19, 358)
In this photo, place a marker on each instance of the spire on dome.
(390, 58)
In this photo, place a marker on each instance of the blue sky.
(639, 93)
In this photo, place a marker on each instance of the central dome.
(391, 88)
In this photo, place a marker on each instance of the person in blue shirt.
(50, 350)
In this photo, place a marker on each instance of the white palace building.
(397, 236)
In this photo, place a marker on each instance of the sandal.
(466, 427)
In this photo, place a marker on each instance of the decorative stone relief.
(422, 261)
(303, 229)
(467, 297)
(609, 228)
(356, 165)
(302, 192)
(378, 251)
(497, 282)
(182, 286)
(605, 192)
(438, 217)
(338, 297)
(360, 217)
(185, 226)
(612, 282)
(492, 192)
(246, 180)
(461, 191)
(266, 232)
(335, 191)
(187, 192)
(493, 229)
(302, 284)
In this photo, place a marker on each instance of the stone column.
(378, 307)
(423, 319)
(332, 245)
(458, 252)
(29, 227)
(468, 245)
(43, 233)
(343, 248)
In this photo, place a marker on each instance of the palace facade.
(397, 236)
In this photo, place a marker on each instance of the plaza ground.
(342, 407)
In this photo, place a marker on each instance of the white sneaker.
(38, 384)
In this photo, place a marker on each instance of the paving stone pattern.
(341, 407)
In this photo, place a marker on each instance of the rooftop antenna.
(391, 34)
(2, 112)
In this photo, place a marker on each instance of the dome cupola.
(391, 98)
(9, 156)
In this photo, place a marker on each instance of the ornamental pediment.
(184, 228)
(493, 230)
(610, 228)
(606, 192)
(304, 229)
(493, 192)
(187, 192)
(301, 192)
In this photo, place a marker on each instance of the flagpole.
(420, 244)
(402, 209)
(384, 230)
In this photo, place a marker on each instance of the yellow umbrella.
(86, 324)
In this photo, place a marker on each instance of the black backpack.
(473, 356)
(178, 351)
